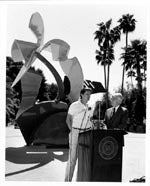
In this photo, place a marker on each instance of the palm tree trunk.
(123, 72)
(105, 70)
(108, 72)
(144, 79)
(126, 40)
(107, 85)
(139, 79)
(105, 75)
(132, 82)
(106, 79)
(122, 86)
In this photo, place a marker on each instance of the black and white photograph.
(75, 92)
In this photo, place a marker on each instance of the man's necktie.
(113, 112)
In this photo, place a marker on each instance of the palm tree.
(136, 60)
(127, 24)
(128, 63)
(106, 37)
(100, 59)
(131, 74)
(139, 54)
(109, 62)
(144, 62)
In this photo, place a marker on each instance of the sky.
(76, 24)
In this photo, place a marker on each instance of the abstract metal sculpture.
(45, 122)
(38, 120)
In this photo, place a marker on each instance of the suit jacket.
(119, 120)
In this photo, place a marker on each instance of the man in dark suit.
(116, 116)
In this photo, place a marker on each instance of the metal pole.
(99, 111)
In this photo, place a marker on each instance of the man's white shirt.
(80, 115)
(116, 108)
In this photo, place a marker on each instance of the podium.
(100, 155)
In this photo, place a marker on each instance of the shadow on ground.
(34, 155)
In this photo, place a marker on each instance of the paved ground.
(38, 163)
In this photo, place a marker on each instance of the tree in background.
(106, 37)
(12, 69)
(53, 91)
(12, 103)
(127, 24)
(138, 54)
(13, 95)
(127, 63)
(42, 95)
(136, 60)
(136, 107)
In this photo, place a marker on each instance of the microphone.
(89, 108)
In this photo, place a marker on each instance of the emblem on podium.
(108, 148)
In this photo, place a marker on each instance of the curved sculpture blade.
(36, 24)
(71, 67)
(19, 76)
(53, 130)
(58, 48)
(73, 70)
(23, 51)
(29, 91)
(23, 70)
(55, 74)
(31, 119)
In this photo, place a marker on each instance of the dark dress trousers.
(117, 120)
